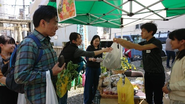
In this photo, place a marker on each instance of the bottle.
(61, 60)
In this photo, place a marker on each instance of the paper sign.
(66, 9)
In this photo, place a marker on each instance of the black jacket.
(90, 63)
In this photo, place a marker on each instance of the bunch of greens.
(65, 77)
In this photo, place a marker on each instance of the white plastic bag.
(113, 59)
(51, 97)
(21, 99)
(166, 99)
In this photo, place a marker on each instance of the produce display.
(126, 65)
(109, 78)
(108, 84)
(103, 69)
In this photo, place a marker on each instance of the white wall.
(163, 26)
(100, 31)
(172, 24)
(63, 34)
(92, 30)
(125, 31)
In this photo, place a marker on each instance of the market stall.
(108, 87)
(120, 82)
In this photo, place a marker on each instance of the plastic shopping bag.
(51, 97)
(21, 99)
(113, 59)
(125, 92)
(166, 99)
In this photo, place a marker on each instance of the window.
(127, 38)
(137, 26)
(104, 44)
(137, 38)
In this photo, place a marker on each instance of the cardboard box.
(139, 101)
(109, 101)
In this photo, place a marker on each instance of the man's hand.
(3, 80)
(56, 69)
(165, 89)
(92, 59)
(117, 40)
(1, 74)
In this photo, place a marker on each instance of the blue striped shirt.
(34, 76)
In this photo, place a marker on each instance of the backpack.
(10, 82)
(82, 65)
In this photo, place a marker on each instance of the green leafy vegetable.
(65, 77)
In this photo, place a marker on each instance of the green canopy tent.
(118, 13)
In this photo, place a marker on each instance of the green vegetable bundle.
(65, 77)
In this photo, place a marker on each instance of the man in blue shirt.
(33, 76)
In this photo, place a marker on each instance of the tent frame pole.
(115, 6)
(148, 6)
(149, 9)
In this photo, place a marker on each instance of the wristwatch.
(168, 87)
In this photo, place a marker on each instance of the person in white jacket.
(175, 88)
